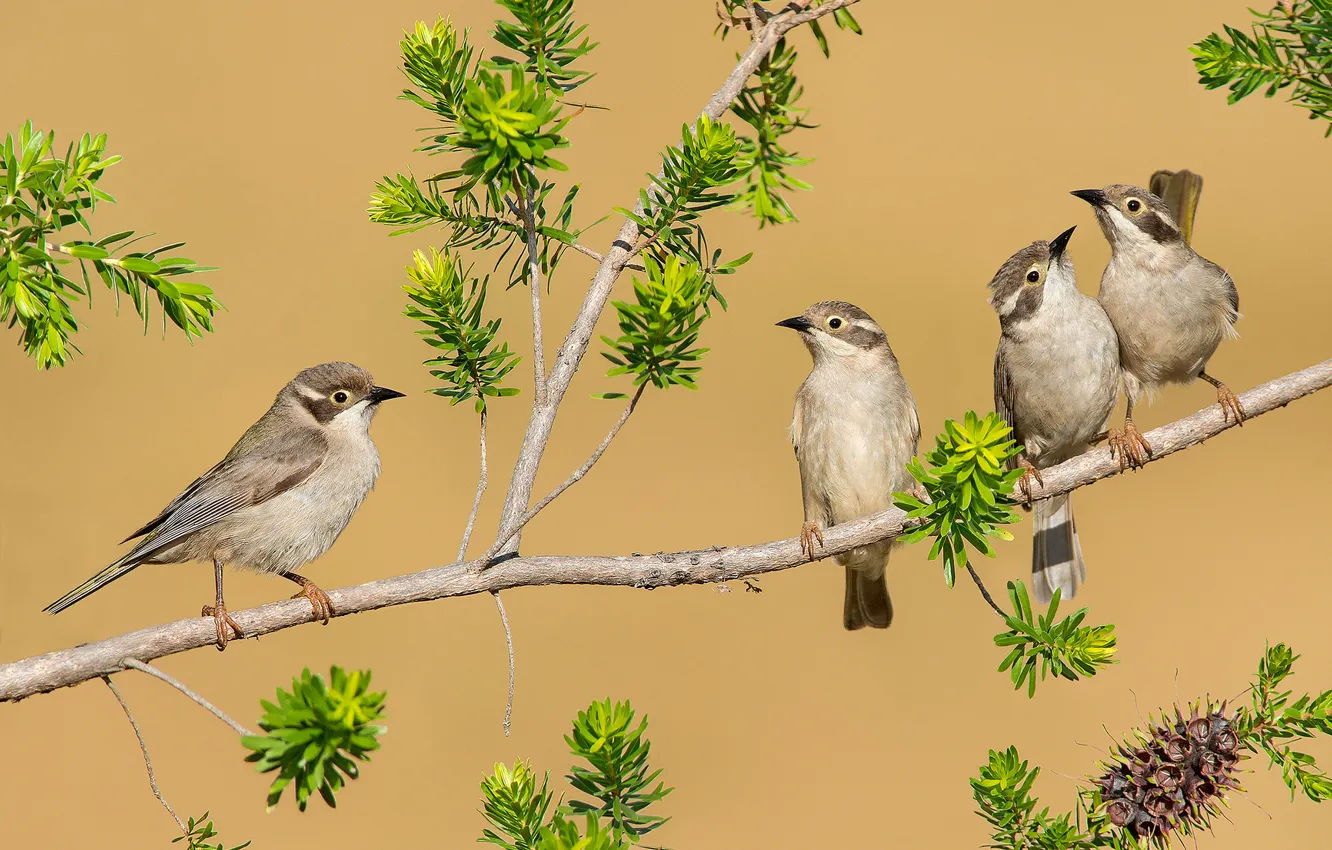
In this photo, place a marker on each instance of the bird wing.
(1004, 396)
(271, 468)
(171, 508)
(1232, 293)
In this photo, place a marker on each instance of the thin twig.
(534, 284)
(482, 480)
(508, 640)
(980, 585)
(576, 342)
(147, 762)
(573, 479)
(711, 565)
(135, 664)
(583, 249)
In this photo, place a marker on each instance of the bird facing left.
(278, 500)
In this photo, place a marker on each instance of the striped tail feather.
(1056, 552)
(92, 585)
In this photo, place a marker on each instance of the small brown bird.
(280, 497)
(855, 429)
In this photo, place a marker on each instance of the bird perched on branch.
(855, 429)
(1170, 307)
(1056, 378)
(279, 498)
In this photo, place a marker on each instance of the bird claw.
(1230, 404)
(809, 532)
(319, 600)
(221, 619)
(1129, 446)
(1028, 473)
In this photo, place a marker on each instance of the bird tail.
(92, 585)
(867, 602)
(1056, 553)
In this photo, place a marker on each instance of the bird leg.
(809, 532)
(221, 619)
(1230, 403)
(1129, 445)
(319, 601)
(1028, 473)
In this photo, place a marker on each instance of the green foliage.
(706, 159)
(563, 834)
(969, 489)
(470, 364)
(544, 33)
(658, 332)
(734, 14)
(198, 831)
(1287, 48)
(313, 733)
(1063, 649)
(40, 195)
(1003, 792)
(618, 777)
(1273, 720)
(768, 105)
(437, 61)
(511, 803)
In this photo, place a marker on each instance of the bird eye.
(1133, 205)
(340, 397)
(1033, 276)
(834, 322)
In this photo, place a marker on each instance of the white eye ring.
(1033, 275)
(834, 322)
(1133, 205)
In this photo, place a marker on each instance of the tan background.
(950, 137)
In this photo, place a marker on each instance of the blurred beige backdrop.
(950, 136)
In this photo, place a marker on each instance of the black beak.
(798, 323)
(378, 394)
(1095, 197)
(1059, 243)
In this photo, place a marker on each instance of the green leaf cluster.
(41, 194)
(198, 831)
(314, 731)
(509, 130)
(658, 331)
(450, 305)
(968, 486)
(1273, 720)
(1066, 648)
(768, 105)
(1002, 791)
(617, 780)
(1289, 47)
(543, 32)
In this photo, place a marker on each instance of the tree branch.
(134, 664)
(534, 284)
(575, 345)
(508, 640)
(147, 762)
(482, 481)
(66, 667)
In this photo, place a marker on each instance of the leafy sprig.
(1289, 47)
(450, 305)
(314, 731)
(514, 806)
(768, 105)
(1064, 649)
(1002, 790)
(618, 778)
(543, 32)
(1273, 720)
(40, 195)
(198, 831)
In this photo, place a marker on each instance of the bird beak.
(1059, 243)
(1095, 197)
(797, 323)
(378, 394)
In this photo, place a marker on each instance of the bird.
(855, 429)
(1171, 307)
(1056, 380)
(278, 500)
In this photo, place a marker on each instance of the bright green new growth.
(1064, 649)
(509, 130)
(40, 195)
(658, 331)
(198, 831)
(1003, 787)
(313, 733)
(1289, 46)
(470, 364)
(618, 782)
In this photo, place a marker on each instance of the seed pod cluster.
(1171, 778)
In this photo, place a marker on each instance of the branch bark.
(570, 355)
(60, 669)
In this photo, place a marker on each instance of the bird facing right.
(1170, 307)
(854, 430)
(1056, 378)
